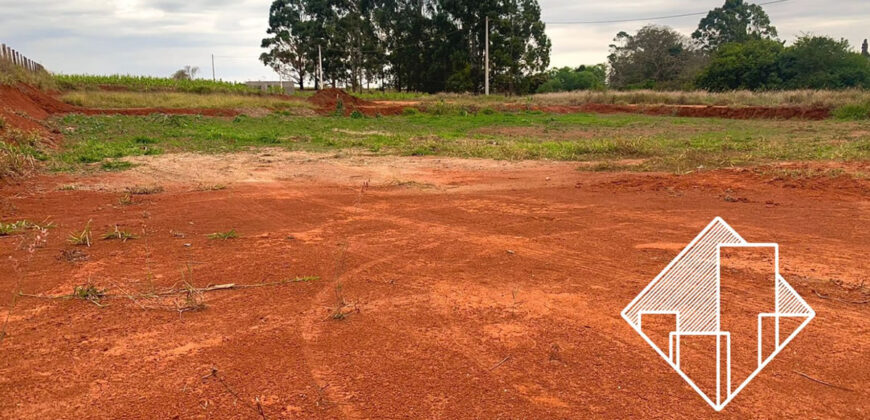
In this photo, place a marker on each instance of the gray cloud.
(158, 36)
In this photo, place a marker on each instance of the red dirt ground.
(473, 289)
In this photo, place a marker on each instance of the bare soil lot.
(445, 288)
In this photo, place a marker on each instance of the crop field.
(196, 250)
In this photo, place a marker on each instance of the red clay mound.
(326, 101)
(329, 98)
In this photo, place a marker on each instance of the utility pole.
(486, 58)
(320, 66)
(213, 79)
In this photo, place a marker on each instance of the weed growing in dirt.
(211, 187)
(90, 293)
(21, 225)
(126, 199)
(145, 190)
(10, 228)
(81, 238)
(122, 235)
(116, 165)
(231, 234)
(17, 160)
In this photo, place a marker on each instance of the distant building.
(272, 85)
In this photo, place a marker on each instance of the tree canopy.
(422, 45)
(735, 21)
(654, 57)
(812, 62)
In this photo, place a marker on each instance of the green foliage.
(665, 142)
(119, 234)
(81, 238)
(750, 65)
(820, 62)
(149, 84)
(410, 112)
(356, 114)
(231, 234)
(656, 57)
(813, 62)
(426, 45)
(735, 21)
(568, 79)
(852, 112)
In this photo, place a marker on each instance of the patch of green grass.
(852, 112)
(116, 165)
(103, 99)
(149, 84)
(231, 234)
(663, 143)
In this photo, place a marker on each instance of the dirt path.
(467, 288)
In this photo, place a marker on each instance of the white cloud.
(158, 36)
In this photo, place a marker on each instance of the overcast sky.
(156, 37)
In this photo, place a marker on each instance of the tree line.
(438, 45)
(734, 47)
(416, 45)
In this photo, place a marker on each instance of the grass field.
(148, 84)
(806, 98)
(653, 143)
(106, 99)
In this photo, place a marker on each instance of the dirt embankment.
(698, 111)
(26, 108)
(327, 102)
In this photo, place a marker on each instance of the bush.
(852, 112)
(750, 65)
(568, 79)
(357, 115)
(410, 111)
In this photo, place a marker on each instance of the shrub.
(852, 112)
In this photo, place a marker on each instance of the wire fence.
(18, 59)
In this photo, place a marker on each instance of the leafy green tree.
(735, 21)
(568, 79)
(654, 57)
(750, 65)
(289, 42)
(820, 62)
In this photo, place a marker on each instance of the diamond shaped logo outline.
(690, 271)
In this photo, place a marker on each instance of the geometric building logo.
(719, 312)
